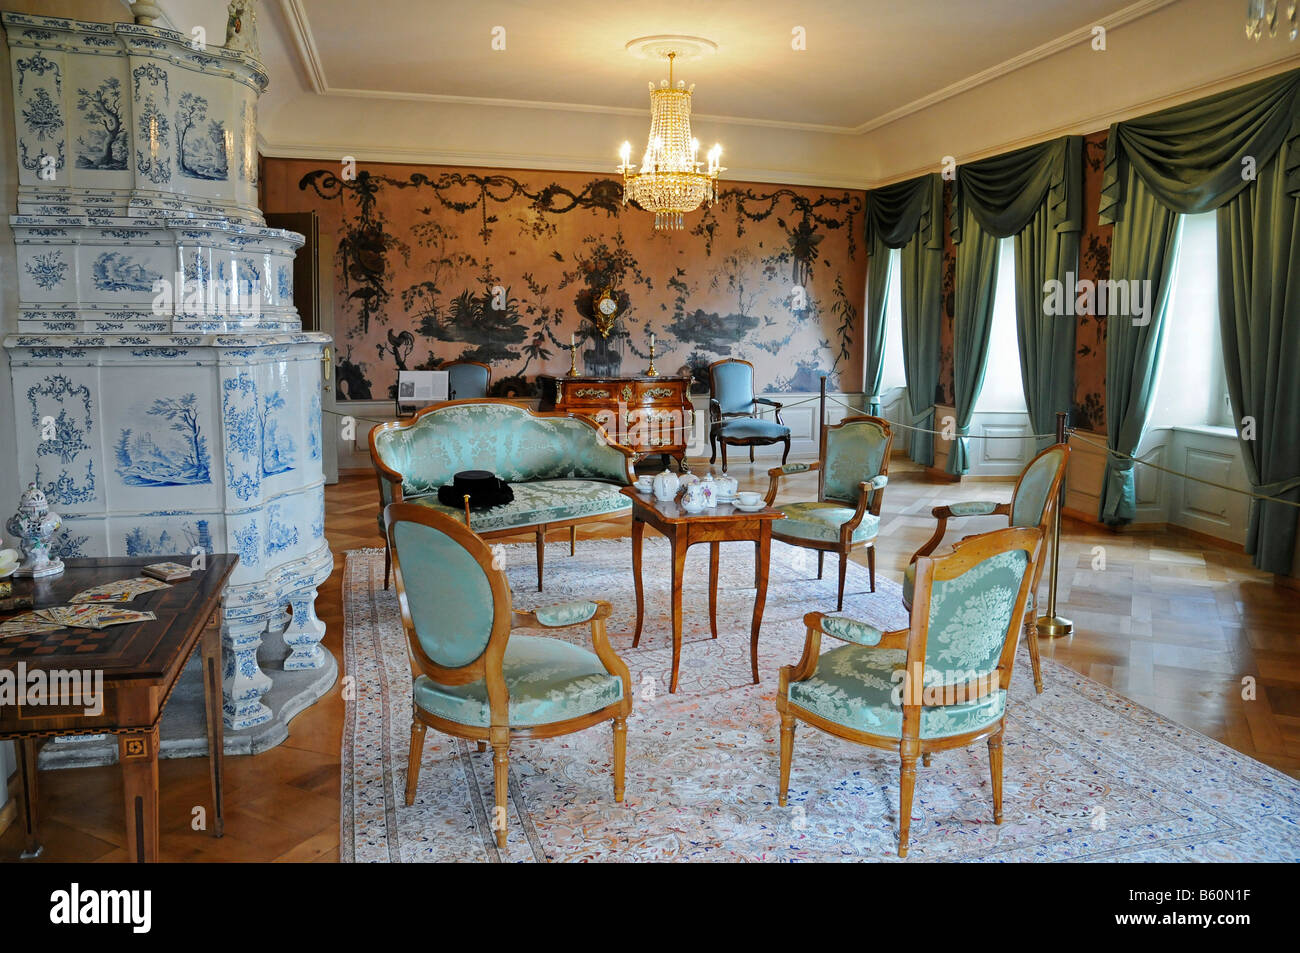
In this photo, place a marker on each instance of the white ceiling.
(866, 62)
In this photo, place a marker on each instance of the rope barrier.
(971, 436)
(1186, 476)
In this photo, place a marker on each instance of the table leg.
(27, 766)
(138, 752)
(210, 649)
(763, 549)
(638, 531)
(713, 588)
(679, 567)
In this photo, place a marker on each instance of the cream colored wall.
(1179, 53)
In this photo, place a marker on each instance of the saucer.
(754, 508)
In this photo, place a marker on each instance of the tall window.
(1192, 388)
(1002, 391)
(894, 375)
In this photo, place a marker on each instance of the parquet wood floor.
(1171, 622)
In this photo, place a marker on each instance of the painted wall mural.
(438, 263)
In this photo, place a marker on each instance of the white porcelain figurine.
(34, 524)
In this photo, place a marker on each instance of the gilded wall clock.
(606, 312)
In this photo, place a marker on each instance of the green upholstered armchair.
(734, 412)
(471, 678)
(939, 684)
(1033, 503)
(853, 470)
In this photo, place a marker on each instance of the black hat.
(481, 486)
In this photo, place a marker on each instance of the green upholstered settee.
(562, 468)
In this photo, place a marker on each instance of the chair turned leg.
(925, 759)
(413, 760)
(388, 563)
(573, 540)
(501, 780)
(995, 768)
(541, 553)
(787, 755)
(1031, 636)
(821, 559)
(871, 565)
(844, 566)
(906, 784)
(724, 455)
(620, 757)
(785, 453)
(713, 456)
(751, 453)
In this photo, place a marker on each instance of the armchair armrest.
(715, 411)
(566, 614)
(771, 403)
(559, 616)
(846, 630)
(954, 511)
(870, 493)
(774, 475)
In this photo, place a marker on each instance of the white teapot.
(696, 497)
(666, 485)
(727, 487)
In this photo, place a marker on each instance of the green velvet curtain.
(1259, 310)
(877, 292)
(907, 215)
(1035, 194)
(977, 261)
(1239, 152)
(1146, 250)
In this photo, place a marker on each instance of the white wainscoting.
(1210, 453)
(800, 414)
(1001, 442)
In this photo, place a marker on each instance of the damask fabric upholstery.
(855, 452)
(502, 438)
(822, 522)
(909, 586)
(565, 613)
(548, 681)
(733, 387)
(856, 686)
(744, 428)
(851, 630)
(541, 501)
(972, 508)
(448, 594)
(1031, 495)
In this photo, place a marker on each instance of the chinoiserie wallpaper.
(437, 263)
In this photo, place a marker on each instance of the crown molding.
(333, 152)
(300, 31)
(1104, 120)
(1060, 44)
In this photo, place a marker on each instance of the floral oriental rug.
(1088, 774)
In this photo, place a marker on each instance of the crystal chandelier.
(672, 180)
(1263, 13)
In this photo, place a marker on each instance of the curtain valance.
(1004, 193)
(1197, 156)
(897, 212)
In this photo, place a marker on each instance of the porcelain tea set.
(699, 494)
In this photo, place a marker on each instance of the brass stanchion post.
(1052, 626)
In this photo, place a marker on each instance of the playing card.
(123, 591)
(26, 624)
(105, 616)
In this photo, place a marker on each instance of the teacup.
(645, 483)
(748, 498)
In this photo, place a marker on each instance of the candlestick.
(573, 356)
(650, 371)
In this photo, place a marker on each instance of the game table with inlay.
(140, 664)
